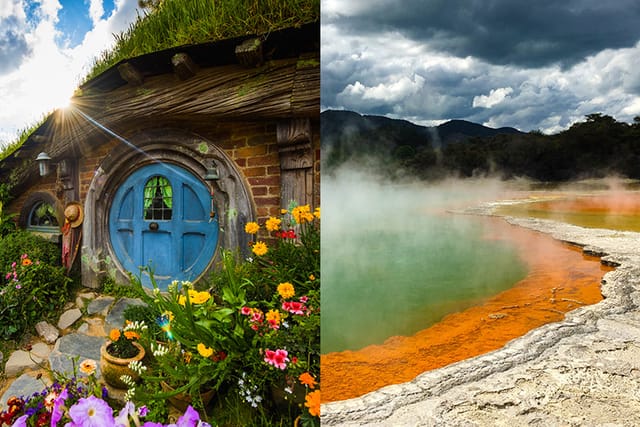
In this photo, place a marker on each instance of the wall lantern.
(44, 163)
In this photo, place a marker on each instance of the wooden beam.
(183, 66)
(249, 53)
(130, 74)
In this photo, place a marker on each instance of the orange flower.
(114, 335)
(26, 262)
(312, 401)
(130, 335)
(307, 379)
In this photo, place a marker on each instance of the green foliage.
(19, 242)
(29, 289)
(249, 336)
(7, 223)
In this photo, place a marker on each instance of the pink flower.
(293, 307)
(276, 358)
(257, 316)
(245, 311)
(304, 299)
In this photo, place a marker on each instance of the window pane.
(42, 215)
(158, 198)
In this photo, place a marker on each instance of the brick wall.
(252, 147)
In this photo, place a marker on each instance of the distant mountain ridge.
(338, 124)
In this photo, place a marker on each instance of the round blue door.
(161, 218)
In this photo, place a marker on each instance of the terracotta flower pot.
(112, 367)
(182, 400)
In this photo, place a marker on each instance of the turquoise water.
(394, 262)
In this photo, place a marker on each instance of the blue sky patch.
(74, 22)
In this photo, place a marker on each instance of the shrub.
(19, 242)
(30, 290)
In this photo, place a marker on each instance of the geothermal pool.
(409, 287)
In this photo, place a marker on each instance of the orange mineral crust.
(560, 279)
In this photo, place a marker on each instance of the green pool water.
(393, 262)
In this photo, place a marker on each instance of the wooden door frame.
(192, 152)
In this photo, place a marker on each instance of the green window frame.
(158, 199)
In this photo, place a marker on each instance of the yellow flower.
(302, 214)
(88, 366)
(286, 290)
(114, 335)
(251, 227)
(273, 315)
(307, 379)
(200, 297)
(182, 300)
(312, 277)
(283, 211)
(168, 314)
(259, 248)
(316, 213)
(273, 224)
(187, 357)
(312, 401)
(204, 350)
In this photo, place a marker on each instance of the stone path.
(582, 371)
(75, 335)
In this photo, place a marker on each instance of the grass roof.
(174, 23)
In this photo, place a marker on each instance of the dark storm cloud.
(518, 32)
(13, 45)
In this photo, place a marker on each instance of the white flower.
(128, 396)
(127, 380)
(137, 366)
(159, 350)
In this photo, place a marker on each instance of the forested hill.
(597, 147)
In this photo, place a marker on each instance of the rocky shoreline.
(582, 371)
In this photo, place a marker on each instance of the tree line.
(597, 147)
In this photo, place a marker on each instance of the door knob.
(153, 226)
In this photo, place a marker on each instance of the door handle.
(153, 226)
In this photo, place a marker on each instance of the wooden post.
(296, 162)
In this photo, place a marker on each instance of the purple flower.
(92, 412)
(143, 411)
(150, 424)
(58, 410)
(189, 419)
(21, 422)
(18, 286)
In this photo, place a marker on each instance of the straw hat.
(74, 214)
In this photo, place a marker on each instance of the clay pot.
(182, 400)
(112, 367)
